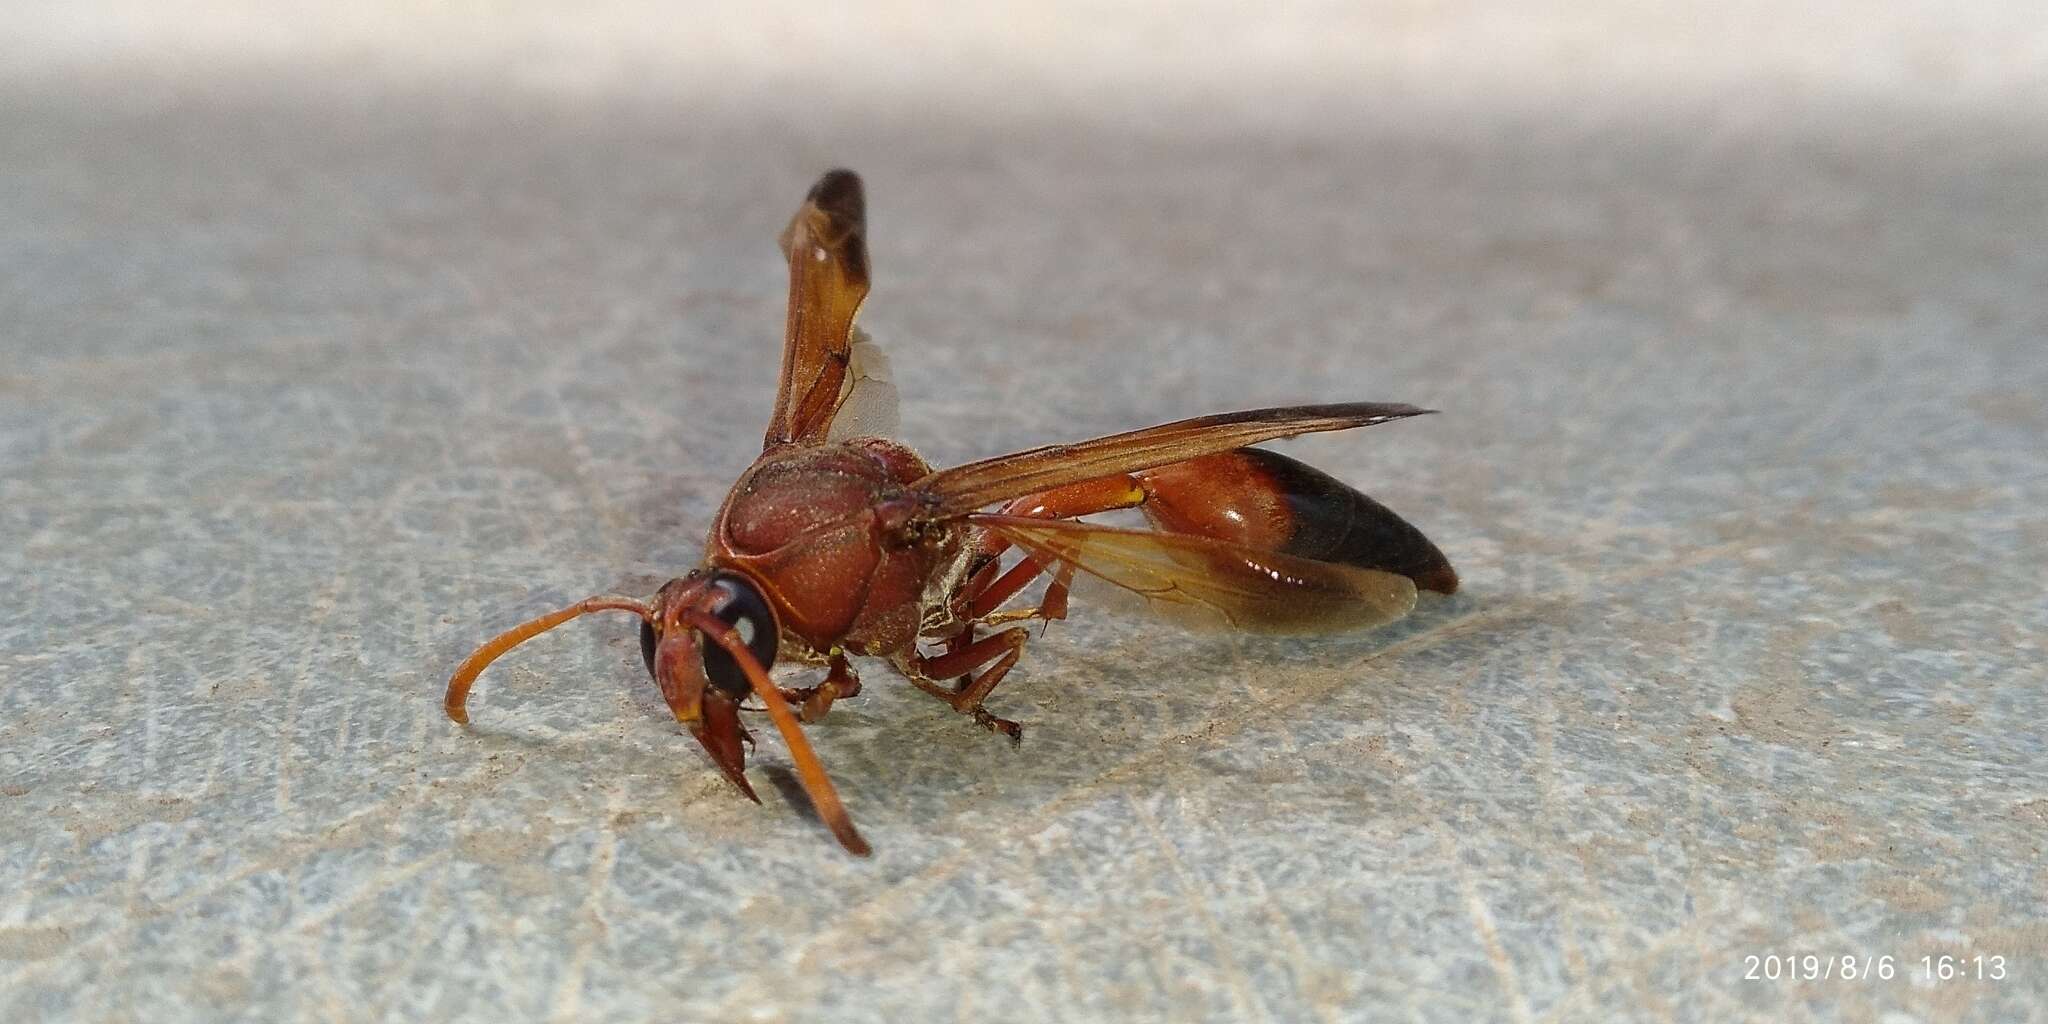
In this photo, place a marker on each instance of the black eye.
(747, 612)
(647, 639)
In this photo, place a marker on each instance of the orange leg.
(981, 607)
(988, 586)
(999, 653)
(1001, 589)
(813, 701)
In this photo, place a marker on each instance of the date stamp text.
(1925, 970)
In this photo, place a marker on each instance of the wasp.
(840, 542)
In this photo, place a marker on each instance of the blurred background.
(334, 340)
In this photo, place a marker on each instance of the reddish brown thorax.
(820, 529)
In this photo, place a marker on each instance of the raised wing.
(867, 397)
(1211, 584)
(826, 244)
(976, 485)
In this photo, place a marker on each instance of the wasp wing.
(1210, 584)
(963, 489)
(826, 245)
(867, 397)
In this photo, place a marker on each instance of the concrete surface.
(334, 343)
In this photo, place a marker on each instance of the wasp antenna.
(480, 659)
(817, 785)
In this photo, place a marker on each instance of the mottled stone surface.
(331, 344)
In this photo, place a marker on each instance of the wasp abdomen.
(1266, 500)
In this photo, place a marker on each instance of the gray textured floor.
(330, 348)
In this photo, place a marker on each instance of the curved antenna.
(817, 785)
(480, 659)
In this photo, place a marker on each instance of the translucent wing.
(1212, 584)
(826, 244)
(975, 485)
(867, 398)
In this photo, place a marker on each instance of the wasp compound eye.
(647, 639)
(742, 607)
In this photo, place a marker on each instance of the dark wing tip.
(1441, 578)
(1336, 415)
(1363, 414)
(838, 193)
(1380, 412)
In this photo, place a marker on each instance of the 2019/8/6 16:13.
(1931, 970)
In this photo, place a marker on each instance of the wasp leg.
(982, 605)
(999, 653)
(812, 702)
(988, 586)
